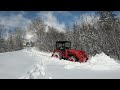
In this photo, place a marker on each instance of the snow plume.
(29, 36)
(87, 18)
(51, 20)
(13, 21)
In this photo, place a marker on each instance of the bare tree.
(18, 39)
(52, 36)
(2, 41)
(37, 27)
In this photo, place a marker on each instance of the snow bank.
(49, 67)
(102, 58)
(98, 62)
(103, 62)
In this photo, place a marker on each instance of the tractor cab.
(63, 45)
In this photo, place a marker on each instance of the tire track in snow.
(38, 71)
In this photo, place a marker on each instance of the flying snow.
(29, 36)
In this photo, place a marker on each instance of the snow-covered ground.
(32, 64)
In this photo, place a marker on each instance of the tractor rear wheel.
(57, 55)
(72, 59)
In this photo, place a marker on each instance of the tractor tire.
(57, 55)
(72, 59)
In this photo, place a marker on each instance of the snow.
(31, 63)
(103, 62)
(13, 64)
(29, 36)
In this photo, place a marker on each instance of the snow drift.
(31, 63)
(103, 62)
(98, 62)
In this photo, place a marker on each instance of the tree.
(109, 33)
(18, 39)
(69, 36)
(76, 35)
(86, 36)
(38, 28)
(52, 36)
(2, 41)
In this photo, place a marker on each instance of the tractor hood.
(79, 54)
(77, 51)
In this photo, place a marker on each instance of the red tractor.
(63, 51)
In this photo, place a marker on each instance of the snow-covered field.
(32, 64)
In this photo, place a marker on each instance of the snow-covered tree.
(109, 33)
(85, 36)
(37, 27)
(52, 36)
(2, 40)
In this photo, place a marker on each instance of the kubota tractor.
(63, 51)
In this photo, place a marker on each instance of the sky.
(58, 19)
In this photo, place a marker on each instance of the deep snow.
(32, 64)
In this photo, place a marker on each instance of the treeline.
(99, 35)
(10, 40)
